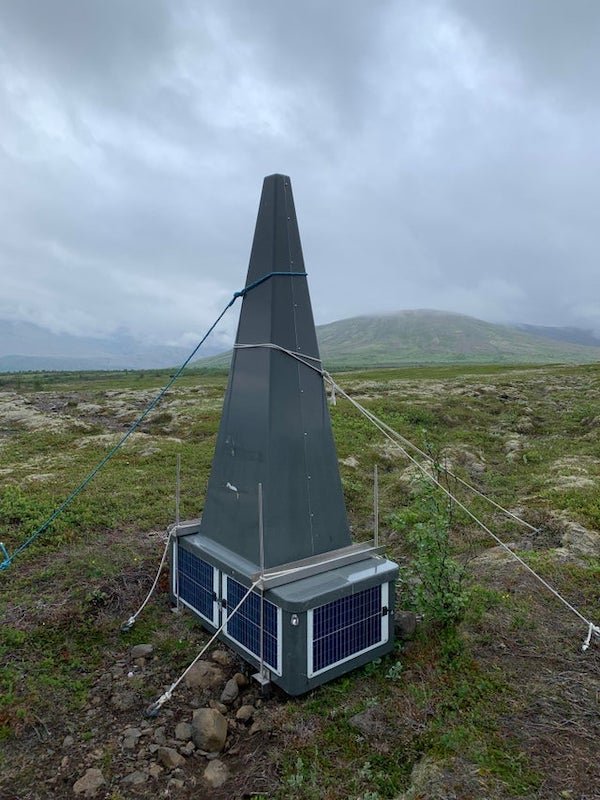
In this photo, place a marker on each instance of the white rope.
(592, 629)
(155, 707)
(271, 346)
(336, 387)
(131, 621)
(389, 433)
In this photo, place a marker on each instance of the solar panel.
(244, 625)
(345, 628)
(197, 584)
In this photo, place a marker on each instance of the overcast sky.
(443, 154)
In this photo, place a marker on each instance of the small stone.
(219, 706)
(153, 748)
(372, 723)
(175, 783)
(204, 676)
(405, 624)
(68, 741)
(244, 713)
(135, 778)
(89, 783)
(123, 701)
(230, 692)
(132, 733)
(221, 657)
(187, 749)
(155, 770)
(170, 758)
(141, 651)
(241, 679)
(215, 774)
(159, 736)
(183, 731)
(209, 730)
(259, 726)
(129, 743)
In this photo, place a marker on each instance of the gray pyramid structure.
(270, 565)
(275, 427)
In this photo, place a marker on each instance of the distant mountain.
(574, 335)
(407, 337)
(433, 337)
(25, 346)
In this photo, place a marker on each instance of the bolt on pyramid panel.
(244, 625)
(345, 628)
(197, 584)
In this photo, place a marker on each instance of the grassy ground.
(505, 706)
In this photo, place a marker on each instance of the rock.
(580, 540)
(219, 706)
(170, 758)
(241, 679)
(141, 651)
(215, 774)
(204, 675)
(221, 657)
(175, 783)
(260, 725)
(244, 713)
(351, 461)
(183, 731)
(405, 624)
(187, 749)
(123, 701)
(155, 770)
(372, 723)
(159, 736)
(132, 733)
(135, 778)
(209, 730)
(129, 743)
(68, 741)
(89, 783)
(451, 778)
(230, 692)
(495, 556)
(524, 425)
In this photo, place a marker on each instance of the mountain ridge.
(429, 336)
(411, 336)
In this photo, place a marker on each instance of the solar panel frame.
(199, 580)
(376, 621)
(248, 617)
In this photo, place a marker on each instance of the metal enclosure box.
(315, 628)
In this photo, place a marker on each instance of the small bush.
(435, 580)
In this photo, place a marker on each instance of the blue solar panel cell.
(345, 627)
(196, 581)
(244, 625)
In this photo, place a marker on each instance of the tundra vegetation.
(491, 697)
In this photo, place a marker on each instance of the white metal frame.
(385, 635)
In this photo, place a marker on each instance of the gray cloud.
(443, 154)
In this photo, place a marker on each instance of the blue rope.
(8, 558)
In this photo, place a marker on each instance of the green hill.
(432, 337)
